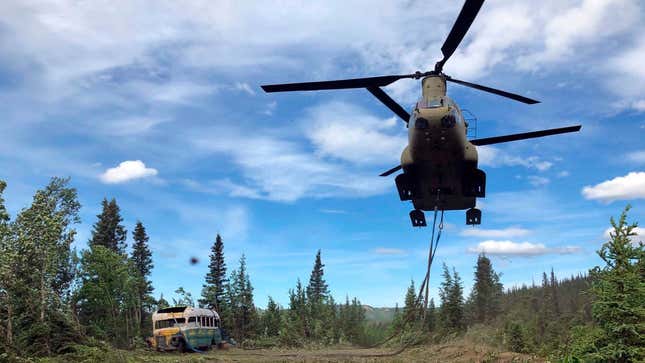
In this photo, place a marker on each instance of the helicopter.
(439, 163)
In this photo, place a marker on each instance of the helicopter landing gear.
(418, 218)
(407, 187)
(473, 216)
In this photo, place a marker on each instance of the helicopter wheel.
(418, 218)
(473, 216)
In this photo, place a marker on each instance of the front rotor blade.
(498, 92)
(393, 170)
(525, 135)
(459, 29)
(390, 103)
(337, 84)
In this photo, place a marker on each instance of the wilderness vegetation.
(57, 301)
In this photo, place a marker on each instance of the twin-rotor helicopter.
(439, 163)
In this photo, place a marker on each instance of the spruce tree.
(272, 319)
(554, 293)
(411, 309)
(317, 289)
(452, 301)
(108, 231)
(619, 291)
(487, 290)
(243, 308)
(213, 291)
(142, 260)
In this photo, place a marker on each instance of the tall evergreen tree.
(619, 291)
(411, 309)
(213, 291)
(142, 260)
(452, 301)
(486, 292)
(317, 289)
(554, 293)
(108, 231)
(243, 308)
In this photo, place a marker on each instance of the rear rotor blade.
(390, 103)
(337, 84)
(524, 136)
(391, 171)
(498, 92)
(459, 29)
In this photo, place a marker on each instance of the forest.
(56, 301)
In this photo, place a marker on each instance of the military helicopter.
(440, 163)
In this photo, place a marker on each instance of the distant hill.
(378, 315)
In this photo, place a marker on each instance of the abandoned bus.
(185, 328)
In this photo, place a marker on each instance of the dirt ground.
(427, 353)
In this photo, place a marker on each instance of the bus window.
(168, 323)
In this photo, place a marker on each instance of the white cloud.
(389, 251)
(126, 171)
(127, 126)
(509, 232)
(576, 26)
(244, 87)
(527, 249)
(538, 181)
(283, 170)
(563, 174)
(349, 133)
(630, 186)
(638, 238)
(495, 157)
(636, 156)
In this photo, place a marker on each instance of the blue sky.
(159, 106)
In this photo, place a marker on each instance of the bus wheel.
(181, 347)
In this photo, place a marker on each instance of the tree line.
(54, 298)
(594, 317)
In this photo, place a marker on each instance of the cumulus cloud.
(349, 133)
(126, 171)
(630, 186)
(509, 232)
(525, 249)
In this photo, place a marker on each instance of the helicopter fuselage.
(439, 163)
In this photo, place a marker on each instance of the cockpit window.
(432, 103)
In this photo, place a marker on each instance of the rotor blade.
(459, 29)
(390, 103)
(337, 84)
(525, 135)
(498, 92)
(393, 170)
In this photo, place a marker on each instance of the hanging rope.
(423, 289)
